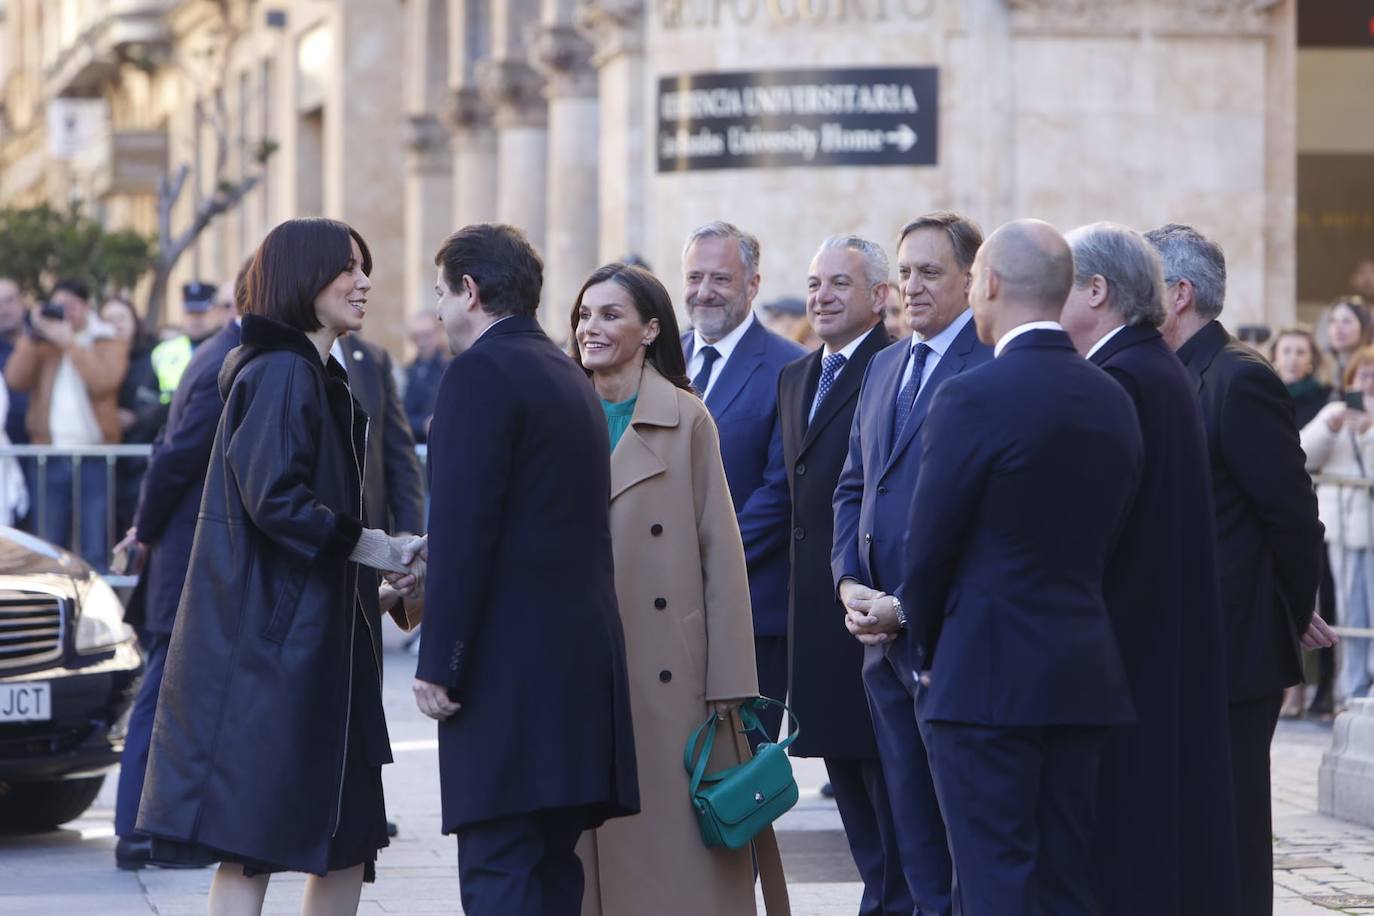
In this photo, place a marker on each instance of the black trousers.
(1019, 804)
(866, 812)
(770, 655)
(525, 865)
(1252, 731)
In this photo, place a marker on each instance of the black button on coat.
(248, 742)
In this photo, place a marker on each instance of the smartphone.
(1354, 400)
(53, 310)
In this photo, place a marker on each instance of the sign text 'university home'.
(778, 118)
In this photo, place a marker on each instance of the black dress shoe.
(827, 791)
(133, 852)
(391, 828)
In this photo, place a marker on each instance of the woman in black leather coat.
(269, 736)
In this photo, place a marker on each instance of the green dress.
(618, 417)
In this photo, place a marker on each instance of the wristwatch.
(897, 609)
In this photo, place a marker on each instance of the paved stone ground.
(1322, 865)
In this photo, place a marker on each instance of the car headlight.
(100, 622)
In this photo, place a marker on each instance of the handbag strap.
(766, 853)
(695, 763)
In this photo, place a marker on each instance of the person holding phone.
(71, 365)
(1340, 441)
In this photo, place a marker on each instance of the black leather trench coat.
(249, 738)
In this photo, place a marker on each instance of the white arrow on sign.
(903, 137)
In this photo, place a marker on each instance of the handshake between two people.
(402, 560)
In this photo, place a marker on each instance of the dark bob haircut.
(296, 261)
(651, 301)
(507, 270)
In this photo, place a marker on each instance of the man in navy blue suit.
(1166, 840)
(164, 527)
(1029, 468)
(872, 504)
(734, 363)
(525, 672)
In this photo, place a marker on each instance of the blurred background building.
(612, 127)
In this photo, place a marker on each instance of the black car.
(69, 667)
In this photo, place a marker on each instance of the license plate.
(25, 702)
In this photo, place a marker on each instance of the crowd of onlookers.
(81, 372)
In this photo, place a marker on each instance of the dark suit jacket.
(393, 489)
(1029, 467)
(744, 404)
(521, 622)
(1166, 823)
(872, 502)
(1269, 541)
(824, 681)
(169, 499)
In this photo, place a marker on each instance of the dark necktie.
(906, 399)
(829, 367)
(709, 355)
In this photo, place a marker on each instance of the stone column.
(570, 249)
(428, 204)
(616, 30)
(515, 93)
(474, 158)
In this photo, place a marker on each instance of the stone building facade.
(411, 117)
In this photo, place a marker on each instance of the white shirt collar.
(1102, 341)
(941, 342)
(726, 345)
(492, 325)
(337, 351)
(1022, 329)
(848, 349)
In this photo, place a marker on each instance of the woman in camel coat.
(684, 600)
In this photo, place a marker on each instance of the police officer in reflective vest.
(201, 320)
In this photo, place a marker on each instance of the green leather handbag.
(733, 805)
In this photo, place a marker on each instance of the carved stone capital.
(614, 27)
(515, 92)
(467, 110)
(425, 133)
(564, 56)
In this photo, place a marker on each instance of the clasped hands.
(414, 555)
(870, 615)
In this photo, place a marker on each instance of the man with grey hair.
(734, 363)
(845, 298)
(1165, 839)
(1269, 541)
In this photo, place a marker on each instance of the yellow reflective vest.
(170, 359)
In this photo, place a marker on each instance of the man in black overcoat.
(1166, 838)
(164, 527)
(1269, 540)
(846, 295)
(393, 486)
(523, 655)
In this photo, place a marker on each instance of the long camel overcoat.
(683, 591)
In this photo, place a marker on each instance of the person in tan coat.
(71, 366)
(683, 592)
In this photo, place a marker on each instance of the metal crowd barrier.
(1356, 488)
(35, 459)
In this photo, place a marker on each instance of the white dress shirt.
(1022, 329)
(725, 346)
(1102, 341)
(847, 351)
(938, 345)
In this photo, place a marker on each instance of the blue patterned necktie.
(906, 399)
(709, 355)
(830, 365)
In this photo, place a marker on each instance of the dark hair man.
(734, 363)
(521, 479)
(1269, 539)
(846, 296)
(872, 512)
(1165, 836)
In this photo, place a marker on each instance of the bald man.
(1030, 465)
